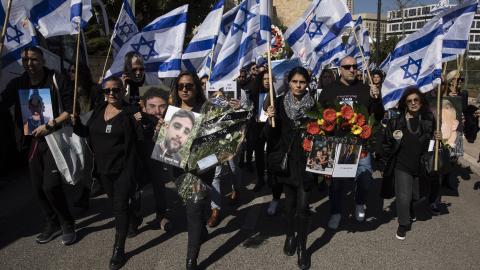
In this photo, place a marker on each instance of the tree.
(402, 5)
(387, 45)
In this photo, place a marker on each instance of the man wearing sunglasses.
(44, 174)
(348, 90)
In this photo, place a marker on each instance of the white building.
(415, 18)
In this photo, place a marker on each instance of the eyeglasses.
(413, 100)
(348, 67)
(187, 86)
(113, 91)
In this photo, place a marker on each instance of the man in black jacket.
(347, 90)
(44, 174)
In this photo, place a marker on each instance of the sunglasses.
(348, 67)
(187, 86)
(413, 100)
(113, 91)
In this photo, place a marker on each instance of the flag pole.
(76, 70)
(364, 61)
(5, 25)
(437, 117)
(212, 53)
(106, 61)
(270, 81)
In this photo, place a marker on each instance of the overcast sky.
(370, 6)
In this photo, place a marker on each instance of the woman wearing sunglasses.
(112, 133)
(407, 137)
(187, 93)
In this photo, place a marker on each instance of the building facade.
(414, 18)
(369, 21)
(350, 5)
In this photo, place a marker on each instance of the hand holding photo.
(36, 107)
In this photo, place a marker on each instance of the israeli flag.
(245, 40)
(457, 22)
(416, 60)
(59, 17)
(385, 65)
(160, 43)
(19, 35)
(317, 37)
(199, 50)
(125, 28)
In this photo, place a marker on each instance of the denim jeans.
(215, 192)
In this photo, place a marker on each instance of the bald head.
(348, 70)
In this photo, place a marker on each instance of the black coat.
(286, 133)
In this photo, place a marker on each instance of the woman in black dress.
(289, 113)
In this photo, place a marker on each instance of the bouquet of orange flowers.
(341, 120)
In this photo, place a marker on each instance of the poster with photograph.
(176, 136)
(227, 88)
(451, 119)
(346, 162)
(321, 159)
(36, 107)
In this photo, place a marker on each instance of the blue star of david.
(406, 68)
(247, 16)
(143, 42)
(316, 29)
(17, 35)
(125, 29)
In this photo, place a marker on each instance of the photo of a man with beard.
(178, 130)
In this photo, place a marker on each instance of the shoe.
(165, 224)
(191, 264)
(272, 208)
(118, 257)
(133, 227)
(360, 212)
(49, 233)
(258, 187)
(233, 197)
(214, 218)
(68, 235)
(413, 217)
(303, 258)
(334, 221)
(290, 245)
(401, 232)
(96, 189)
(434, 209)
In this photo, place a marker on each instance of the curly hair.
(402, 104)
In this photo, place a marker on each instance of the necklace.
(409, 126)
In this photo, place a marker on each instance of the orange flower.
(307, 145)
(361, 120)
(347, 112)
(313, 128)
(328, 126)
(366, 132)
(329, 115)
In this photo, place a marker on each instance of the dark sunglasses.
(187, 86)
(108, 91)
(348, 67)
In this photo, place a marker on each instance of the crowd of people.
(122, 125)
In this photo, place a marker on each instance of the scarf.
(295, 109)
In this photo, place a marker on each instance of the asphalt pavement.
(248, 239)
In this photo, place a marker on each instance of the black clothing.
(406, 193)
(196, 226)
(408, 157)
(339, 185)
(134, 91)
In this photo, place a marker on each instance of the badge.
(397, 134)
(108, 129)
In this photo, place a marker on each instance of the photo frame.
(36, 108)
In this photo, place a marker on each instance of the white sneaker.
(360, 212)
(334, 221)
(272, 207)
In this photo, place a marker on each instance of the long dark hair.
(402, 104)
(199, 97)
(258, 85)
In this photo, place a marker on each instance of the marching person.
(133, 76)
(44, 174)
(113, 133)
(289, 113)
(347, 90)
(407, 137)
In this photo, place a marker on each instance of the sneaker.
(49, 233)
(360, 212)
(68, 235)
(272, 208)
(334, 221)
(401, 232)
(434, 209)
(413, 217)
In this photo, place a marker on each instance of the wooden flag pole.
(364, 61)
(270, 81)
(439, 98)
(5, 25)
(212, 53)
(76, 70)
(106, 61)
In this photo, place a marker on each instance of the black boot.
(118, 257)
(290, 241)
(302, 253)
(191, 264)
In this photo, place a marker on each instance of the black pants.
(196, 226)
(259, 152)
(406, 192)
(157, 173)
(337, 190)
(277, 189)
(119, 187)
(297, 213)
(47, 182)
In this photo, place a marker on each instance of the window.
(477, 38)
(399, 14)
(475, 47)
(405, 14)
(473, 25)
(478, 24)
(420, 24)
(471, 38)
(395, 27)
(412, 12)
(426, 10)
(419, 11)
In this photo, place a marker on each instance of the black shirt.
(408, 158)
(109, 142)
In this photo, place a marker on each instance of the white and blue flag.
(160, 43)
(245, 40)
(317, 37)
(125, 28)
(198, 52)
(59, 17)
(415, 61)
(457, 22)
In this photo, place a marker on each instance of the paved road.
(248, 239)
